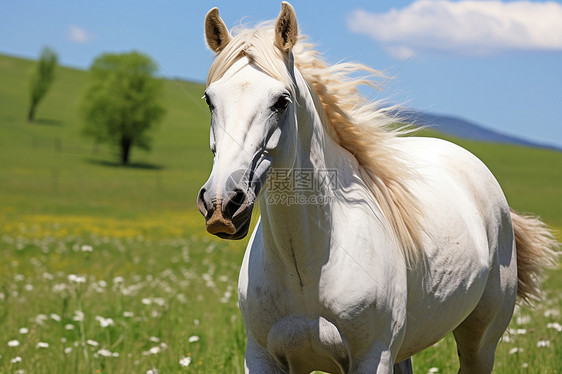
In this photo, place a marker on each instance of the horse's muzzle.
(227, 218)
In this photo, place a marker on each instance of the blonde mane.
(366, 131)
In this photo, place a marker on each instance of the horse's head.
(253, 119)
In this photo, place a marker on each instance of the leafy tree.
(120, 104)
(41, 79)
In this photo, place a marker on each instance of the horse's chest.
(298, 332)
(290, 319)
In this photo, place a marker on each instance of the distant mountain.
(465, 129)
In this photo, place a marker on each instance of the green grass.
(152, 269)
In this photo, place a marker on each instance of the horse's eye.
(281, 103)
(209, 103)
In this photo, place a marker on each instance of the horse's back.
(467, 233)
(451, 175)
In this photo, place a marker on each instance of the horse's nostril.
(201, 202)
(238, 199)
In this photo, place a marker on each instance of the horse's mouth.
(240, 234)
(240, 222)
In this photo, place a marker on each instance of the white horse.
(370, 247)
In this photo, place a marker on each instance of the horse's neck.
(296, 221)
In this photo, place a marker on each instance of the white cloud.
(79, 35)
(463, 27)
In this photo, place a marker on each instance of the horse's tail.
(536, 250)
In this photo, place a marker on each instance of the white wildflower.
(152, 371)
(67, 350)
(208, 280)
(154, 339)
(105, 322)
(93, 343)
(28, 287)
(78, 316)
(69, 326)
(42, 345)
(193, 339)
(552, 313)
(226, 297)
(146, 301)
(185, 361)
(105, 352)
(152, 351)
(118, 280)
(55, 317)
(554, 325)
(521, 331)
(16, 359)
(515, 350)
(40, 319)
(523, 320)
(86, 248)
(23, 330)
(73, 278)
(543, 343)
(128, 314)
(13, 343)
(59, 287)
(433, 370)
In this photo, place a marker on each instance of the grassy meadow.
(108, 269)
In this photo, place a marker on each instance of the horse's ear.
(216, 32)
(286, 28)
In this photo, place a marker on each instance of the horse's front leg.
(257, 361)
(382, 362)
(404, 367)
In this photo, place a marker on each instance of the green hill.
(49, 168)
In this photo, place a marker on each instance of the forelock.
(257, 45)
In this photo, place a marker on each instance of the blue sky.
(496, 63)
